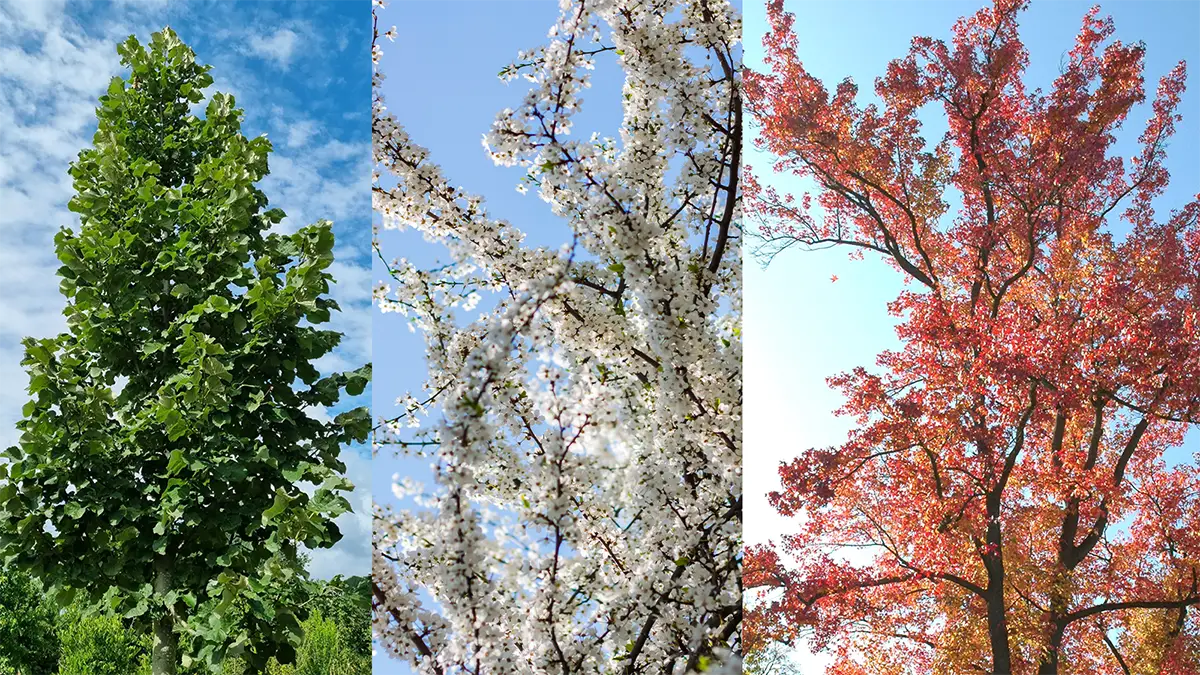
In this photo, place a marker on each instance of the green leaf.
(153, 348)
(176, 462)
(356, 381)
(65, 597)
(217, 303)
(137, 610)
(294, 475)
(277, 507)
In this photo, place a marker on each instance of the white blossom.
(585, 429)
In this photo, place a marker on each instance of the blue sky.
(442, 86)
(446, 97)
(800, 327)
(302, 73)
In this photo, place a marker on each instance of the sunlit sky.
(801, 327)
(442, 86)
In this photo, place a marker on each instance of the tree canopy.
(1005, 489)
(585, 511)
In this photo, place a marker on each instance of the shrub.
(101, 645)
(28, 644)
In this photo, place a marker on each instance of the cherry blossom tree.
(1006, 487)
(585, 516)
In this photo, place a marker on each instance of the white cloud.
(37, 15)
(319, 413)
(279, 47)
(352, 555)
(51, 72)
(300, 132)
(328, 181)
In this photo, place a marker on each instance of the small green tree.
(28, 642)
(161, 456)
(325, 650)
(100, 645)
(346, 601)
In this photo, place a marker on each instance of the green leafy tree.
(28, 641)
(163, 450)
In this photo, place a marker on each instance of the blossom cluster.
(586, 428)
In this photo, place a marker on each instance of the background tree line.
(37, 638)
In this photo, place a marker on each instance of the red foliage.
(1004, 493)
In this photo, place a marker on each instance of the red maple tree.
(1005, 493)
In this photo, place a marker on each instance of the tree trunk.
(1049, 666)
(164, 653)
(996, 608)
(1059, 602)
(998, 634)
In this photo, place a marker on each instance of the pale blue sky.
(446, 96)
(442, 86)
(302, 73)
(800, 327)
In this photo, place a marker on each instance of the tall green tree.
(167, 437)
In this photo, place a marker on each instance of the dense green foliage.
(28, 643)
(101, 645)
(36, 639)
(158, 475)
(326, 650)
(346, 601)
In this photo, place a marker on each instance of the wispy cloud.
(278, 47)
(300, 133)
(52, 69)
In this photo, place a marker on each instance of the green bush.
(28, 644)
(101, 645)
(347, 602)
(326, 649)
(34, 636)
